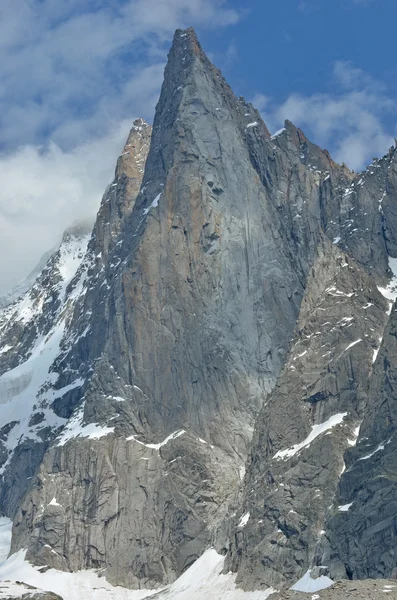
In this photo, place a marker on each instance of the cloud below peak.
(46, 190)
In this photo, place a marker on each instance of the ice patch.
(315, 432)
(345, 507)
(254, 124)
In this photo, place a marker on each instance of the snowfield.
(202, 581)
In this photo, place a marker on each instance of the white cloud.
(60, 59)
(348, 121)
(44, 191)
(74, 76)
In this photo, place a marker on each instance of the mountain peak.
(186, 36)
(131, 161)
(233, 280)
(77, 230)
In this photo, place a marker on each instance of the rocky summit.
(198, 396)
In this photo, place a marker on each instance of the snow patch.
(70, 586)
(54, 502)
(308, 584)
(376, 351)
(244, 520)
(344, 507)
(204, 580)
(353, 440)
(279, 132)
(75, 428)
(378, 449)
(390, 291)
(172, 436)
(315, 432)
(254, 124)
(5, 538)
(23, 387)
(352, 344)
(300, 355)
(154, 204)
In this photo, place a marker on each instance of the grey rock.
(360, 543)
(370, 589)
(290, 482)
(230, 286)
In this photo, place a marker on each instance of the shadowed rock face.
(229, 287)
(296, 463)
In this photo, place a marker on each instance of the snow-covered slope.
(5, 538)
(31, 330)
(24, 286)
(202, 581)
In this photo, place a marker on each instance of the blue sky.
(75, 74)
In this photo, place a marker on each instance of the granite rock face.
(308, 422)
(180, 342)
(230, 314)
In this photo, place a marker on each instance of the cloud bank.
(46, 190)
(74, 76)
(347, 121)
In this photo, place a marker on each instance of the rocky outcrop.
(43, 335)
(360, 542)
(308, 422)
(310, 498)
(346, 590)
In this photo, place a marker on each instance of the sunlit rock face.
(211, 364)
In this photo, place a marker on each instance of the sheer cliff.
(213, 366)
